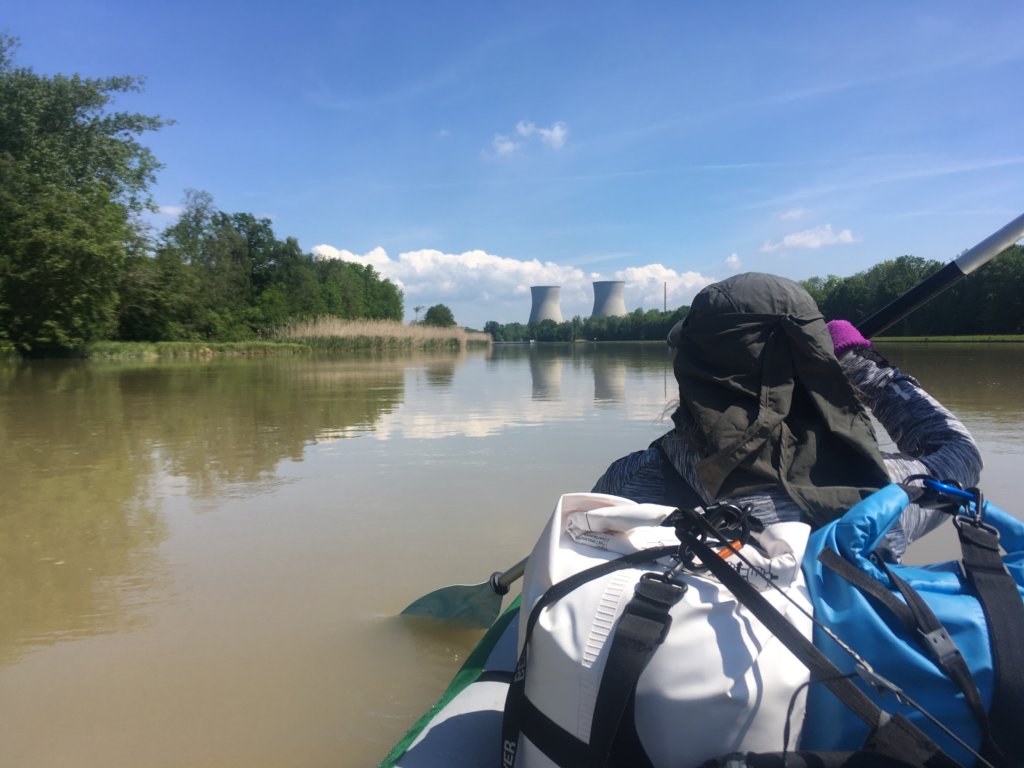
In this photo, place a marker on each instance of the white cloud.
(479, 286)
(733, 263)
(375, 258)
(525, 128)
(555, 136)
(171, 210)
(793, 214)
(817, 237)
(503, 146)
(646, 286)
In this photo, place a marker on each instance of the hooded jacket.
(766, 403)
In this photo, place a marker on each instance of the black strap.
(643, 626)
(923, 625)
(521, 716)
(1004, 613)
(893, 733)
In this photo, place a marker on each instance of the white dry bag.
(718, 682)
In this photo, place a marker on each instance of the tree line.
(987, 302)
(215, 275)
(78, 264)
(639, 325)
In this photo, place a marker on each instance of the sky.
(470, 150)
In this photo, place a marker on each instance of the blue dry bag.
(897, 651)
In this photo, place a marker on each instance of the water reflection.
(88, 453)
(609, 380)
(609, 364)
(546, 372)
(441, 373)
(78, 523)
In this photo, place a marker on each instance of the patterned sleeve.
(929, 438)
(639, 476)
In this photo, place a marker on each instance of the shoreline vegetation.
(322, 334)
(331, 335)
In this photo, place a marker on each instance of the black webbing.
(891, 732)
(923, 625)
(1004, 614)
(642, 627)
(521, 716)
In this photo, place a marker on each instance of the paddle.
(478, 605)
(474, 605)
(939, 281)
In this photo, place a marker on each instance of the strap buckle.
(967, 505)
(654, 596)
(731, 527)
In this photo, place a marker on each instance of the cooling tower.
(545, 303)
(609, 298)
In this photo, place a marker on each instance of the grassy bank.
(326, 334)
(143, 350)
(334, 335)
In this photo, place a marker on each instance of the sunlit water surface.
(201, 563)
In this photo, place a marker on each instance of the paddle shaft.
(936, 283)
(500, 582)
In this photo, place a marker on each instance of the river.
(201, 563)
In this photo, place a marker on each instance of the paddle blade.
(471, 605)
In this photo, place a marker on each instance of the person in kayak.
(773, 413)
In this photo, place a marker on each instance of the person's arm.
(639, 476)
(929, 438)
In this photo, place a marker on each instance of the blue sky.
(470, 150)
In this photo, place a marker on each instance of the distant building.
(545, 303)
(609, 298)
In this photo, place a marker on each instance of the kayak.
(464, 726)
(936, 707)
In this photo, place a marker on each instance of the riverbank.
(376, 335)
(318, 335)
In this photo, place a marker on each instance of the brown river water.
(201, 563)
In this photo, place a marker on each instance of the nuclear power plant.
(545, 303)
(609, 298)
(609, 301)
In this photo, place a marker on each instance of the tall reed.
(332, 333)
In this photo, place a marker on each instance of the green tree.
(73, 177)
(224, 276)
(440, 316)
(493, 327)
